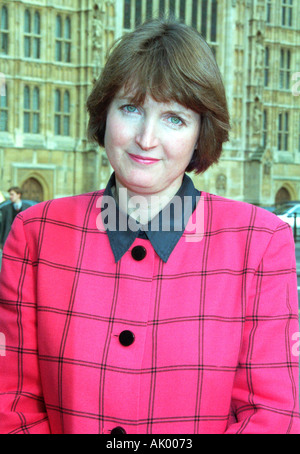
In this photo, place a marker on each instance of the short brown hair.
(171, 62)
(16, 189)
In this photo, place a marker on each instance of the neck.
(142, 207)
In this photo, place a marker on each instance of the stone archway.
(32, 190)
(282, 195)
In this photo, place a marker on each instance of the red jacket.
(209, 342)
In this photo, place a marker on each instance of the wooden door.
(32, 190)
(282, 196)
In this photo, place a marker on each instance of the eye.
(176, 121)
(129, 108)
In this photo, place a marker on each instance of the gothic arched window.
(4, 31)
(32, 35)
(31, 109)
(62, 113)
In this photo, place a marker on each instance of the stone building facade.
(51, 52)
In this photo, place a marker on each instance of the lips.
(142, 159)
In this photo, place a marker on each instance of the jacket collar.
(163, 231)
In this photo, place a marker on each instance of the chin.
(138, 181)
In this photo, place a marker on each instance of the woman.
(137, 320)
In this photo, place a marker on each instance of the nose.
(146, 136)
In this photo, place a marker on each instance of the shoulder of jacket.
(241, 212)
(6, 208)
(61, 206)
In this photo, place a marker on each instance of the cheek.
(182, 149)
(116, 134)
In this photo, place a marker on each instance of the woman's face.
(149, 146)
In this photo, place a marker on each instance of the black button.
(126, 338)
(118, 430)
(138, 253)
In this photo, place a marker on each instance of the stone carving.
(259, 62)
(259, 51)
(260, 14)
(103, 19)
(97, 37)
(257, 117)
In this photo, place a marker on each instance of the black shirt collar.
(163, 231)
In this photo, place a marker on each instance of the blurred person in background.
(8, 212)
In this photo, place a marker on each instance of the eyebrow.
(121, 97)
(175, 110)
(180, 112)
